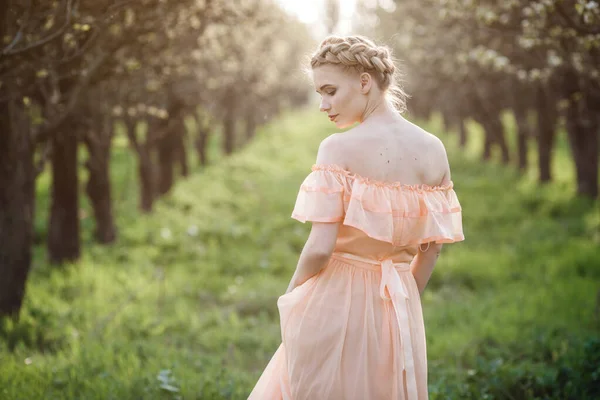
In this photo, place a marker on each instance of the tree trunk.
(229, 132)
(446, 122)
(166, 148)
(145, 165)
(497, 130)
(521, 103)
(462, 133)
(520, 113)
(63, 227)
(250, 126)
(147, 181)
(583, 129)
(181, 151)
(201, 144)
(98, 186)
(546, 121)
(487, 143)
(17, 201)
(583, 132)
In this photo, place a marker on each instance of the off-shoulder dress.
(355, 330)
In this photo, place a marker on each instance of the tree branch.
(85, 77)
(571, 22)
(8, 52)
(19, 34)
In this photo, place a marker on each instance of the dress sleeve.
(321, 197)
(443, 220)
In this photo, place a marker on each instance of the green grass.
(184, 305)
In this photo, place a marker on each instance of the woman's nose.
(324, 106)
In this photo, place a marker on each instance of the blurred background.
(151, 152)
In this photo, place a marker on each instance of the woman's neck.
(379, 111)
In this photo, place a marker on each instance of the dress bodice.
(379, 219)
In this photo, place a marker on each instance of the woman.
(381, 203)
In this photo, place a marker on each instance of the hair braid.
(362, 55)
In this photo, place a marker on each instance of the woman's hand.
(308, 266)
(297, 280)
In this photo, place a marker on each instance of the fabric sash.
(398, 294)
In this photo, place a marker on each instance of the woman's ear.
(365, 82)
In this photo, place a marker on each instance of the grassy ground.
(184, 305)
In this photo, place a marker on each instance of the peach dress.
(355, 331)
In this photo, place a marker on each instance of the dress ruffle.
(391, 212)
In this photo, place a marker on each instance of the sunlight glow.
(312, 12)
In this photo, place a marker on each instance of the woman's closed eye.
(327, 90)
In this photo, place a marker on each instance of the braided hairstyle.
(362, 55)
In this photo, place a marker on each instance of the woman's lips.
(333, 117)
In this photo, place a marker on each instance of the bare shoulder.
(437, 146)
(331, 150)
(436, 164)
(438, 152)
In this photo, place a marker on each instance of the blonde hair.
(363, 55)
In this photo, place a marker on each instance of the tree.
(69, 69)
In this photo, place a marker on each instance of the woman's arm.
(423, 263)
(316, 252)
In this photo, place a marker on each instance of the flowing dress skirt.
(354, 331)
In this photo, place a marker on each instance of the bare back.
(395, 152)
